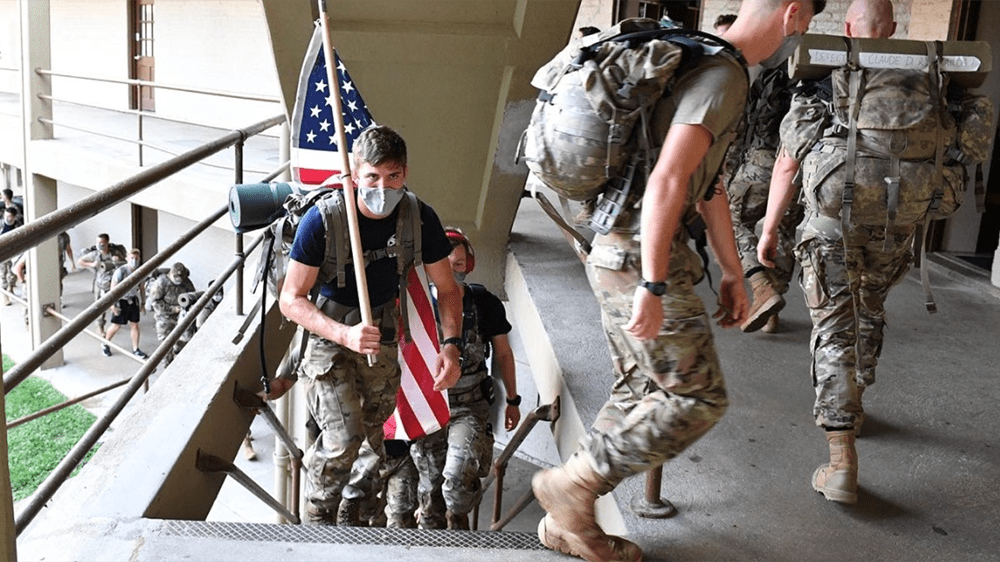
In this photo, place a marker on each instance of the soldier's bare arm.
(296, 306)
(663, 203)
(447, 367)
(504, 357)
(780, 195)
(732, 294)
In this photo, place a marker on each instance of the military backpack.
(589, 133)
(906, 140)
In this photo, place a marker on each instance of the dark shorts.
(128, 311)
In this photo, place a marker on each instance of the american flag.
(315, 154)
(419, 408)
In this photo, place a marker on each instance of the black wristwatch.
(515, 401)
(455, 341)
(658, 288)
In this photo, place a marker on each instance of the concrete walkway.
(929, 457)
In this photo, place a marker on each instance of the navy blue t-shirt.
(309, 248)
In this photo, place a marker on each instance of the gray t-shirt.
(713, 95)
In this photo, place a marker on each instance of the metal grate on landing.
(265, 532)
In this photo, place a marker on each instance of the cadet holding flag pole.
(349, 397)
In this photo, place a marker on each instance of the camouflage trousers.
(349, 401)
(845, 281)
(165, 323)
(385, 488)
(453, 461)
(7, 276)
(400, 491)
(668, 391)
(748, 204)
(102, 320)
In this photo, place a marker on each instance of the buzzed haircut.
(818, 5)
(379, 145)
(104, 236)
(724, 19)
(8, 193)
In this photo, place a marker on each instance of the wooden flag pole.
(348, 182)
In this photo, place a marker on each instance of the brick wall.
(931, 15)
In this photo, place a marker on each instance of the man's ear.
(788, 16)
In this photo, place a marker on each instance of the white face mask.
(459, 277)
(133, 263)
(8, 220)
(379, 200)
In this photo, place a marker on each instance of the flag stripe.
(427, 341)
(419, 408)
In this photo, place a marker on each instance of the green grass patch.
(38, 446)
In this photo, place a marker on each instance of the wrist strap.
(455, 340)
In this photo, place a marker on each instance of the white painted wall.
(218, 45)
(90, 38)
(10, 46)
(116, 221)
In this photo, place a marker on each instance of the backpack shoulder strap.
(416, 228)
(332, 210)
(409, 252)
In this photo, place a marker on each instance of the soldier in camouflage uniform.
(848, 267)
(104, 258)
(65, 253)
(453, 460)
(395, 505)
(7, 277)
(348, 398)
(751, 160)
(163, 298)
(668, 389)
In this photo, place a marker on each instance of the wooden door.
(142, 53)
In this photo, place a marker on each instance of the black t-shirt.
(309, 248)
(492, 316)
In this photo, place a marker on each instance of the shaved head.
(871, 19)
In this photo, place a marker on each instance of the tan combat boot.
(349, 513)
(772, 325)
(316, 515)
(838, 481)
(457, 521)
(568, 494)
(248, 451)
(766, 302)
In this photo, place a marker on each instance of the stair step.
(274, 533)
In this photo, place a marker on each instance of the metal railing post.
(546, 412)
(139, 121)
(238, 179)
(651, 506)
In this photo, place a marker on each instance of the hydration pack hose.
(263, 313)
